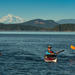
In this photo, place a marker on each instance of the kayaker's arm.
(47, 53)
(52, 53)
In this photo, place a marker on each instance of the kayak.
(51, 58)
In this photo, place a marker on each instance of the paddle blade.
(72, 47)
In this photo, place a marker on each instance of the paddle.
(59, 51)
(0, 54)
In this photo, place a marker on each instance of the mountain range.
(11, 19)
(41, 23)
(11, 22)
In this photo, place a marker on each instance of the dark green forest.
(22, 27)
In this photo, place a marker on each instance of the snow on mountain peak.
(11, 19)
(10, 15)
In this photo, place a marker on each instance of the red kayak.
(50, 59)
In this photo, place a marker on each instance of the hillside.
(66, 21)
(37, 25)
(41, 23)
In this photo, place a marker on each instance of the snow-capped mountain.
(11, 19)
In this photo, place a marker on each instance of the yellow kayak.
(73, 47)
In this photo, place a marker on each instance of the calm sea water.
(23, 54)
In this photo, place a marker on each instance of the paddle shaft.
(59, 52)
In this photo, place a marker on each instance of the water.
(23, 54)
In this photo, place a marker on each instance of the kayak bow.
(72, 47)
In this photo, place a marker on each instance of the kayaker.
(50, 52)
(50, 55)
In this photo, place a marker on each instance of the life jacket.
(51, 51)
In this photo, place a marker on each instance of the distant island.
(39, 25)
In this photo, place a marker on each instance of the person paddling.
(50, 52)
(50, 55)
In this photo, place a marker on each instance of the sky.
(39, 9)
